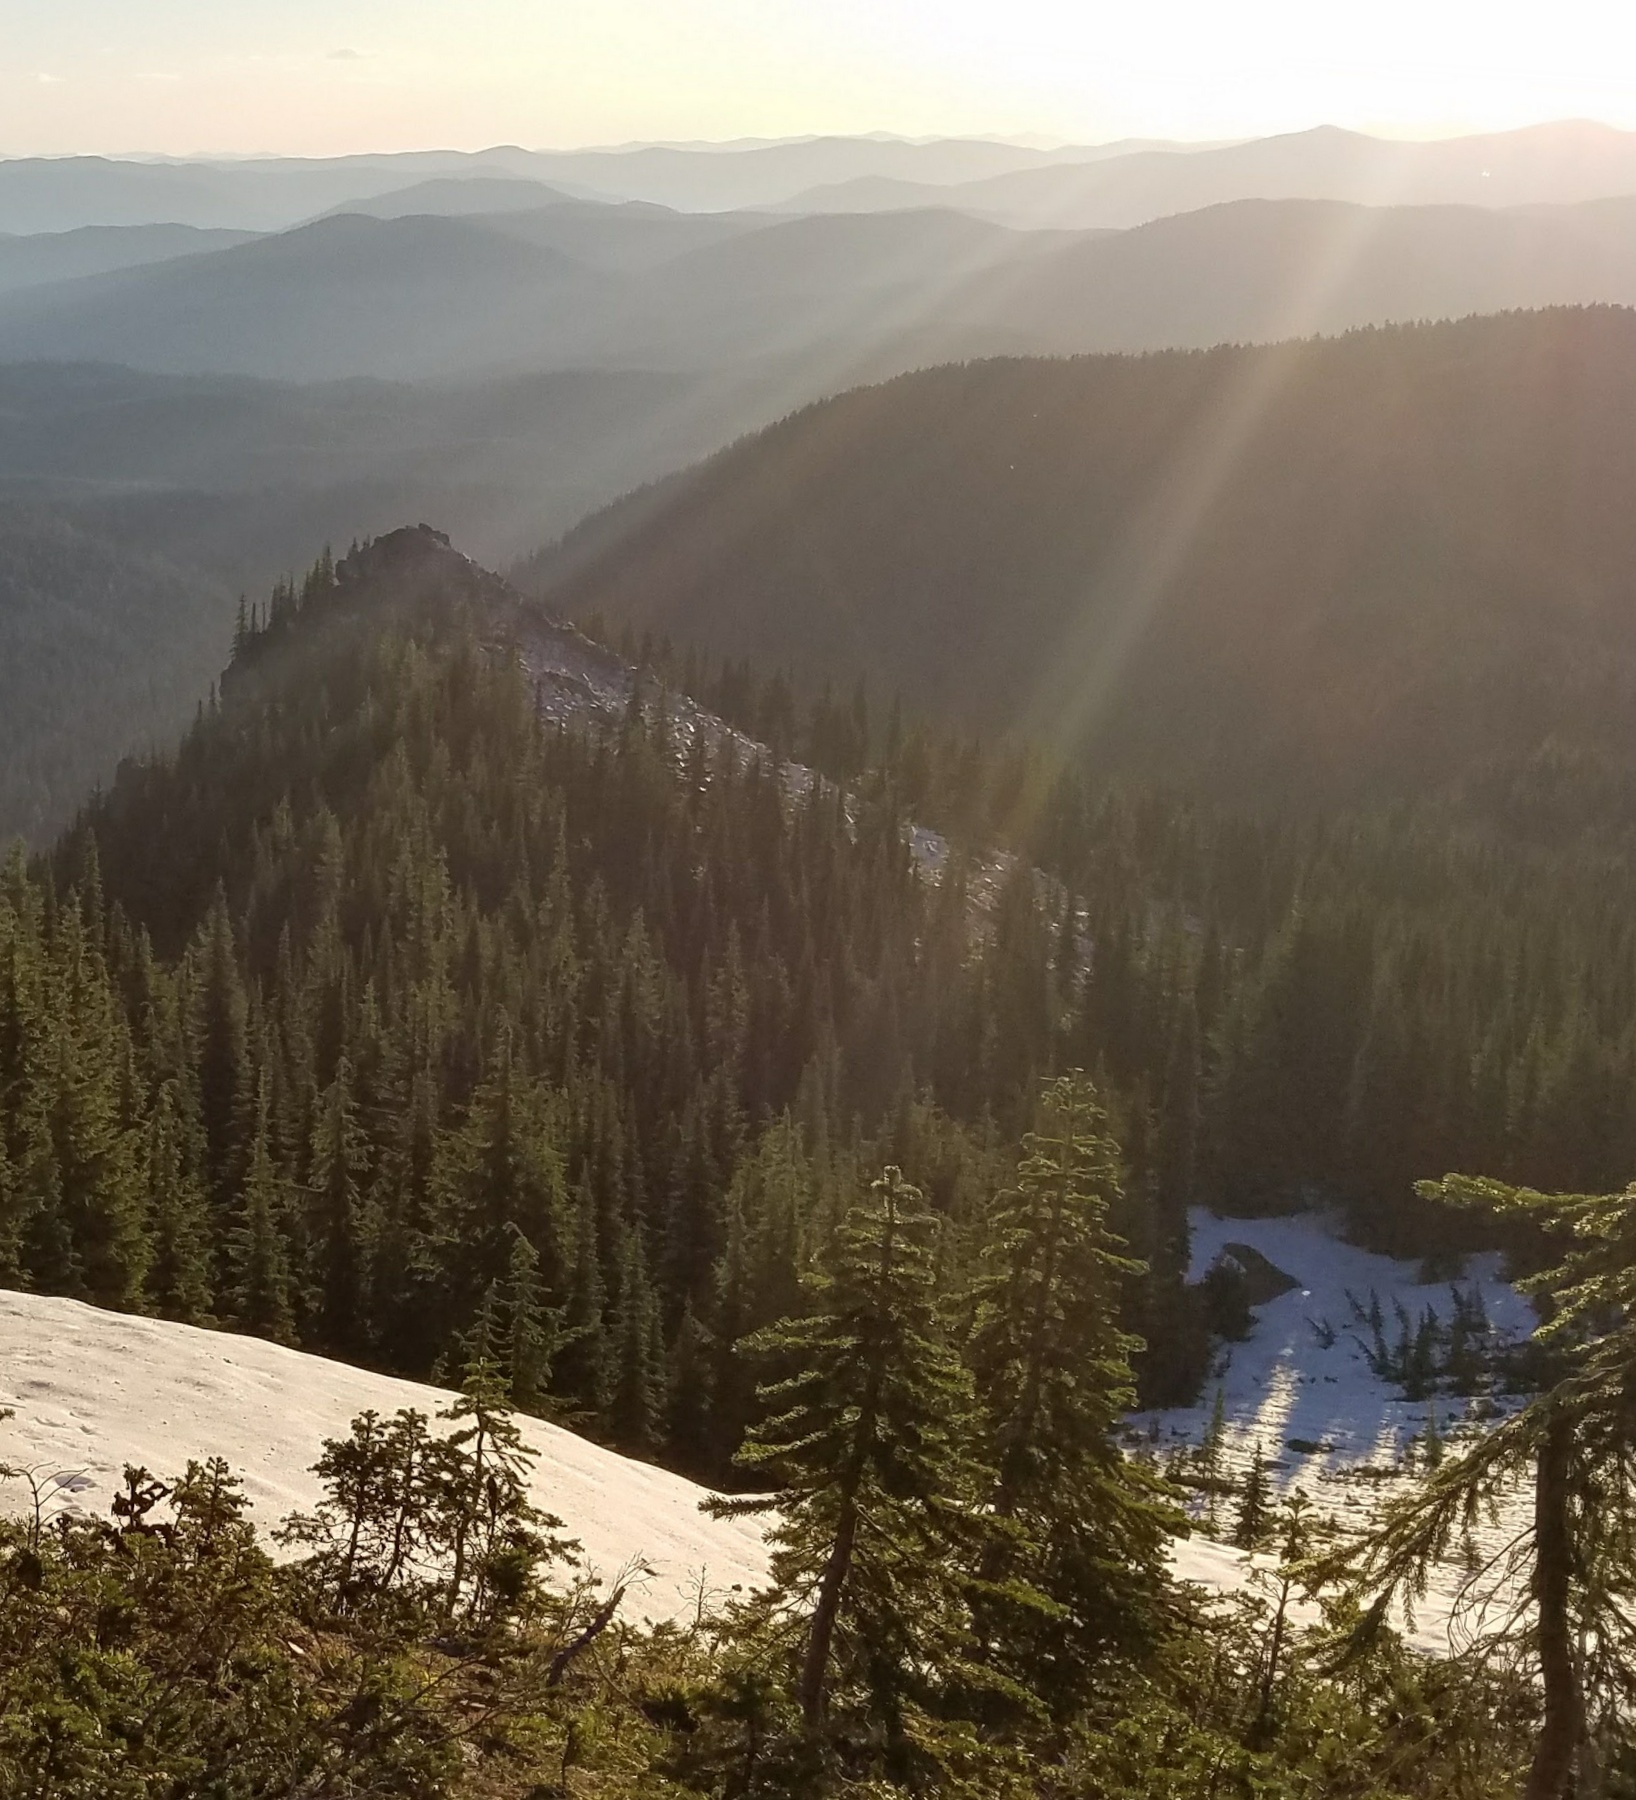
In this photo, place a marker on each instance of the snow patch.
(1302, 1387)
(95, 1390)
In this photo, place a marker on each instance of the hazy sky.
(323, 76)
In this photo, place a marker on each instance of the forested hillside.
(134, 509)
(387, 1013)
(1392, 564)
(105, 647)
(1114, 555)
(615, 1071)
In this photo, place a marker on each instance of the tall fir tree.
(1079, 1522)
(870, 1441)
(258, 1257)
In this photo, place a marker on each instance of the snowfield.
(95, 1390)
(1302, 1388)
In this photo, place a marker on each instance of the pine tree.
(493, 1536)
(500, 1172)
(11, 1220)
(637, 1388)
(532, 1329)
(1211, 1446)
(95, 1145)
(1292, 1532)
(1431, 1438)
(179, 1276)
(1178, 1148)
(582, 1372)
(1254, 1504)
(688, 1401)
(340, 1161)
(221, 1052)
(257, 1255)
(1052, 1367)
(869, 1441)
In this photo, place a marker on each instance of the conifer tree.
(11, 1235)
(179, 1276)
(688, 1398)
(1575, 1445)
(1254, 1504)
(1052, 1366)
(1178, 1147)
(502, 1171)
(637, 1385)
(1291, 1526)
(869, 1441)
(221, 1052)
(531, 1328)
(340, 1162)
(94, 1144)
(491, 1533)
(1211, 1446)
(257, 1253)
(582, 1374)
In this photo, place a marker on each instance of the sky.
(323, 77)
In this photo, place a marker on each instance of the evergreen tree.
(492, 1535)
(1575, 1445)
(221, 1052)
(582, 1374)
(688, 1400)
(502, 1173)
(339, 1163)
(532, 1329)
(1254, 1504)
(869, 1441)
(637, 1388)
(1052, 1367)
(258, 1258)
(1211, 1446)
(179, 1276)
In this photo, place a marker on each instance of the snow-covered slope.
(1302, 1387)
(95, 1390)
(1303, 1376)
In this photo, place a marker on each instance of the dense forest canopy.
(386, 1012)
(610, 1068)
(1390, 564)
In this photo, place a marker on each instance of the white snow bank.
(1284, 1383)
(95, 1390)
(1303, 1374)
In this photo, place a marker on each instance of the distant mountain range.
(1076, 186)
(272, 193)
(425, 295)
(1555, 164)
(840, 298)
(99, 249)
(208, 369)
(1256, 271)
